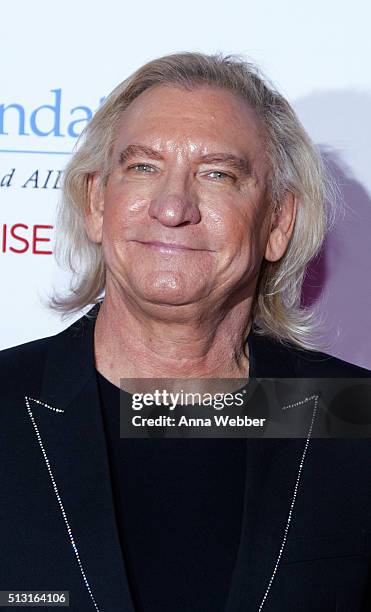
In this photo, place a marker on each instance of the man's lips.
(167, 246)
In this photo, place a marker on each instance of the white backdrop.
(57, 66)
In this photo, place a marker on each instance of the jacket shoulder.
(33, 353)
(16, 355)
(284, 359)
(50, 366)
(317, 363)
(23, 364)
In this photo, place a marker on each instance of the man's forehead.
(211, 108)
(195, 130)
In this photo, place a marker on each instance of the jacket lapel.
(275, 470)
(68, 427)
(273, 481)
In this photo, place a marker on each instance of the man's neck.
(130, 344)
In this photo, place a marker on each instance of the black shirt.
(179, 507)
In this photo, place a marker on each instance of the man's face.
(189, 170)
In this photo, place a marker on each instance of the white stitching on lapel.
(315, 397)
(55, 488)
(43, 404)
(306, 399)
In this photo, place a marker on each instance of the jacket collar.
(70, 361)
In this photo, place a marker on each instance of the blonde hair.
(295, 166)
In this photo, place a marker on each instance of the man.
(190, 212)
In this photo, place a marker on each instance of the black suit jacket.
(306, 531)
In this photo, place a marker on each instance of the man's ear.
(282, 226)
(93, 214)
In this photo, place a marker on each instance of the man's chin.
(169, 298)
(173, 289)
(168, 295)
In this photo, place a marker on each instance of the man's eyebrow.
(241, 164)
(136, 150)
(234, 161)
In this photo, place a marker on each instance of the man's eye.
(141, 168)
(218, 174)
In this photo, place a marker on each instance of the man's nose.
(175, 203)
